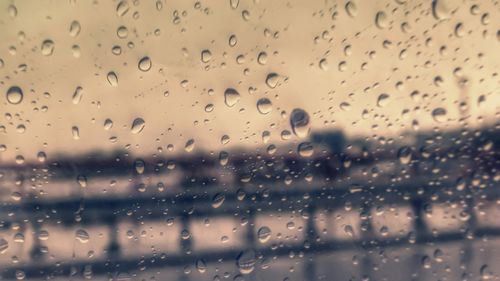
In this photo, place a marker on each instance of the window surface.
(249, 140)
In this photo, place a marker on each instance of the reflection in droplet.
(231, 97)
(299, 121)
(137, 125)
(14, 95)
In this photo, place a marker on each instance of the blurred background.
(249, 140)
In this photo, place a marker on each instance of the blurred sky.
(458, 43)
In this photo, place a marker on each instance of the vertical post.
(113, 249)
(420, 230)
(367, 236)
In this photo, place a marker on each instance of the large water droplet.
(14, 95)
(264, 106)
(231, 97)
(234, 3)
(404, 155)
(122, 8)
(351, 9)
(145, 64)
(137, 125)
(299, 121)
(383, 100)
(75, 132)
(201, 266)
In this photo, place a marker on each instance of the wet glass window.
(250, 140)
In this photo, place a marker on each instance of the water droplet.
(404, 155)
(74, 28)
(201, 266)
(381, 20)
(349, 230)
(122, 32)
(20, 275)
(223, 158)
(264, 234)
(82, 181)
(145, 64)
(440, 9)
(383, 100)
(439, 114)
(231, 97)
(206, 56)
(189, 145)
(264, 106)
(262, 58)
(137, 125)
(323, 64)
(218, 200)
(122, 8)
(351, 9)
(305, 149)
(246, 261)
(77, 95)
(4, 245)
(233, 40)
(75, 132)
(41, 156)
(225, 139)
(139, 166)
(14, 95)
(234, 3)
(82, 236)
(272, 80)
(47, 47)
(299, 121)
(108, 124)
(112, 79)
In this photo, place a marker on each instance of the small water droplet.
(404, 155)
(75, 132)
(351, 9)
(383, 100)
(82, 181)
(262, 58)
(4, 245)
(234, 3)
(122, 8)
